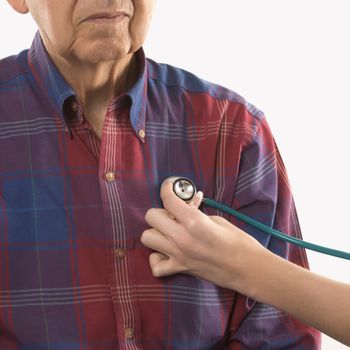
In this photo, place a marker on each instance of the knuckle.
(150, 213)
(143, 238)
(217, 218)
(155, 272)
(194, 221)
(145, 235)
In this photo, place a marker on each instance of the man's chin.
(101, 52)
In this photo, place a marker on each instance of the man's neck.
(96, 85)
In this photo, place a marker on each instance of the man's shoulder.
(13, 86)
(175, 77)
(12, 67)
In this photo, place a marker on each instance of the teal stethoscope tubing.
(317, 248)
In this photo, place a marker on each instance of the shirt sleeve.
(263, 193)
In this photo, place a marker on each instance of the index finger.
(174, 205)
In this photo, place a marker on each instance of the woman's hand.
(187, 241)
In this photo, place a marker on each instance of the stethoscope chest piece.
(184, 188)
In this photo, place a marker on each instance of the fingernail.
(197, 200)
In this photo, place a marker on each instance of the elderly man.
(89, 128)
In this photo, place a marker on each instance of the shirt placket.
(119, 240)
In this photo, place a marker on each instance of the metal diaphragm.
(184, 188)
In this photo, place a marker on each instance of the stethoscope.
(185, 189)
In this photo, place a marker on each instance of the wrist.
(251, 277)
(268, 276)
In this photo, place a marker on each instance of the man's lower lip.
(106, 20)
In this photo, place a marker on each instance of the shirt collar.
(58, 90)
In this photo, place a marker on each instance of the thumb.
(197, 200)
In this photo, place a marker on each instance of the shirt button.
(74, 107)
(129, 333)
(120, 253)
(142, 133)
(110, 176)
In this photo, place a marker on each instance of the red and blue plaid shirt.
(73, 273)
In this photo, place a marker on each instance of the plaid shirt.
(73, 273)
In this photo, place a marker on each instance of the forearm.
(213, 249)
(317, 301)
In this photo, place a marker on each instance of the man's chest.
(71, 219)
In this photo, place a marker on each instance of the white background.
(291, 60)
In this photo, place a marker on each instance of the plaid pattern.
(73, 273)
